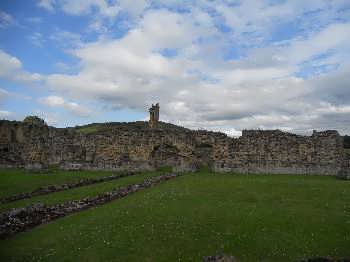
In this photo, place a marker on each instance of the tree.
(34, 120)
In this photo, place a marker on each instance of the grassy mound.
(254, 218)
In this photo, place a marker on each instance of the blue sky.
(219, 65)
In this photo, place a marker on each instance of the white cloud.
(57, 101)
(36, 39)
(77, 109)
(3, 95)
(102, 7)
(8, 63)
(195, 87)
(3, 92)
(83, 7)
(5, 19)
(62, 66)
(134, 8)
(66, 39)
(5, 114)
(113, 66)
(102, 13)
(47, 4)
(11, 68)
(53, 101)
(253, 21)
(180, 60)
(329, 108)
(334, 38)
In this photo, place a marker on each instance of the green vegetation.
(347, 151)
(89, 129)
(253, 217)
(15, 181)
(34, 120)
(122, 126)
(80, 192)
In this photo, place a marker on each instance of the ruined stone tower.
(154, 116)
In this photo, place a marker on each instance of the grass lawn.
(88, 129)
(254, 218)
(80, 192)
(15, 181)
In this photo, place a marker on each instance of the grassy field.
(15, 181)
(254, 218)
(80, 192)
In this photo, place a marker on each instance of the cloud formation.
(6, 19)
(11, 68)
(72, 107)
(220, 65)
(5, 114)
(47, 4)
(198, 87)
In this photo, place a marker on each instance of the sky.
(216, 65)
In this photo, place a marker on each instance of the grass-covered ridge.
(108, 127)
(254, 217)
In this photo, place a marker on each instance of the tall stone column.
(154, 116)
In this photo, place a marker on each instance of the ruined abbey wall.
(274, 151)
(124, 146)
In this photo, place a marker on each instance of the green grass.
(80, 192)
(89, 129)
(15, 181)
(347, 151)
(254, 218)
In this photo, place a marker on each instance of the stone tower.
(154, 116)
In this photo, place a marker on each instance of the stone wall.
(134, 146)
(274, 151)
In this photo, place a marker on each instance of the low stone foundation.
(56, 188)
(21, 219)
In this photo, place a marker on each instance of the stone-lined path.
(21, 219)
(61, 187)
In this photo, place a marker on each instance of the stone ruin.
(137, 146)
(154, 116)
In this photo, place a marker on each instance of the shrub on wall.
(34, 120)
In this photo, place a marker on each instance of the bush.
(34, 120)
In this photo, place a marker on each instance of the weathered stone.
(154, 116)
(344, 175)
(135, 147)
(36, 167)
